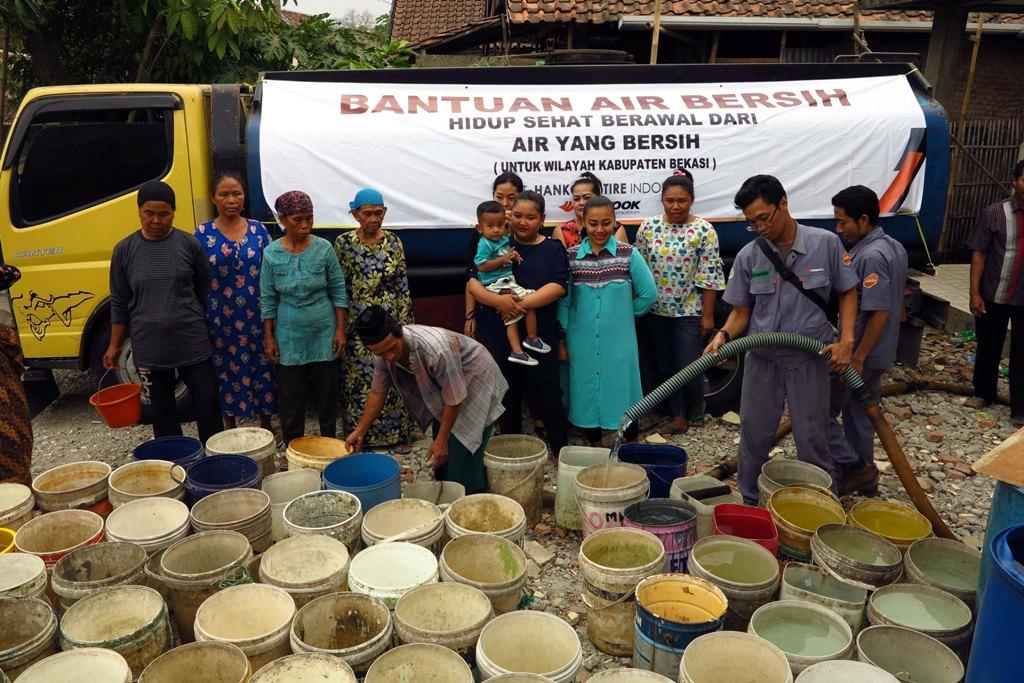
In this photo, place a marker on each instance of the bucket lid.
(304, 561)
(17, 569)
(393, 566)
(147, 519)
(240, 441)
(306, 667)
(393, 517)
(14, 496)
(80, 664)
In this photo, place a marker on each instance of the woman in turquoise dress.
(609, 285)
(234, 246)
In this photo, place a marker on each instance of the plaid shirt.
(446, 369)
(999, 233)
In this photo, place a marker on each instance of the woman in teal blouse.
(609, 285)
(303, 301)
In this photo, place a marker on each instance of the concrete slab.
(951, 282)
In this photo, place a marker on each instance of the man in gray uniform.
(763, 299)
(881, 266)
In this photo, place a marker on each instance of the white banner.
(433, 150)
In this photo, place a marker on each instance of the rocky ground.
(939, 433)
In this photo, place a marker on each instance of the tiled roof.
(293, 18)
(417, 20)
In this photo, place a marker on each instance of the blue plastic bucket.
(372, 477)
(663, 463)
(221, 472)
(993, 655)
(1007, 510)
(181, 450)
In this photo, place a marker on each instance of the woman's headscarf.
(156, 191)
(8, 276)
(365, 196)
(293, 202)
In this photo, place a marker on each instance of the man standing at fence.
(781, 282)
(881, 265)
(997, 296)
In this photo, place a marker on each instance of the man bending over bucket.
(448, 381)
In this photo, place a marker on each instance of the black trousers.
(990, 331)
(296, 383)
(201, 381)
(542, 383)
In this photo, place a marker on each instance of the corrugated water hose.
(798, 341)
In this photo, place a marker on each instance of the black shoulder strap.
(789, 276)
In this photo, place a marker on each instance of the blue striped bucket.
(372, 477)
(689, 607)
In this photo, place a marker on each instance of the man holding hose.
(781, 282)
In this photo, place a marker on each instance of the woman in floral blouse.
(374, 264)
(682, 251)
(234, 246)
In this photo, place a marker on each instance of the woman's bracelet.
(471, 314)
(728, 337)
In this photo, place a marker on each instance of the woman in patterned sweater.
(15, 423)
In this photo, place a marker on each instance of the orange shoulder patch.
(847, 259)
(871, 280)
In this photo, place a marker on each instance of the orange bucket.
(119, 405)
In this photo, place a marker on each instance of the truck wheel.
(127, 374)
(722, 386)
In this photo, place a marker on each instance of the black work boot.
(862, 480)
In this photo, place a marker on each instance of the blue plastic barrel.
(1007, 510)
(664, 464)
(372, 477)
(221, 472)
(995, 654)
(181, 450)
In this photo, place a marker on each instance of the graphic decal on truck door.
(40, 311)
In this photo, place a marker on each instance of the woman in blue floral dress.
(234, 246)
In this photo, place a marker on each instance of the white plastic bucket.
(353, 627)
(813, 584)
(337, 514)
(789, 472)
(805, 632)
(745, 571)
(16, 504)
(571, 461)
(27, 633)
(448, 614)
(495, 565)
(924, 609)
(153, 523)
(909, 655)
(419, 663)
(76, 485)
(406, 519)
(845, 672)
(308, 667)
(308, 567)
(734, 657)
(440, 493)
(283, 488)
(390, 570)
(97, 567)
(315, 452)
(628, 676)
(531, 642)
(252, 442)
(93, 664)
(605, 491)
(486, 513)
(220, 662)
(244, 510)
(145, 479)
(515, 469)
(22, 576)
(254, 616)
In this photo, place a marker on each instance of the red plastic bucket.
(119, 405)
(746, 521)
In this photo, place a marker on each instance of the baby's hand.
(513, 256)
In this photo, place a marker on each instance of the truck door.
(67, 196)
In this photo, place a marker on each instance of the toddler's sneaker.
(536, 345)
(522, 358)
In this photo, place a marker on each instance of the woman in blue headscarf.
(374, 264)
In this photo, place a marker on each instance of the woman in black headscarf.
(15, 423)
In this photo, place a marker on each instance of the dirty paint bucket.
(845, 672)
(308, 567)
(486, 513)
(130, 620)
(683, 487)
(805, 632)
(315, 452)
(27, 636)
(93, 664)
(94, 568)
(211, 475)
(572, 460)
(74, 486)
(254, 617)
(531, 642)
(664, 463)
(909, 655)
(16, 505)
(776, 474)
(797, 513)
(308, 667)
(856, 556)
(192, 569)
(405, 519)
(153, 523)
(337, 514)
(22, 576)
(1006, 509)
(900, 524)
(371, 477)
(519, 678)
(208, 662)
(992, 657)
(671, 611)
(627, 676)
(419, 662)
(283, 488)
(746, 573)
(515, 468)
(253, 442)
(812, 584)
(746, 521)
(390, 570)
(355, 628)
(181, 450)
(145, 479)
(734, 657)
(246, 511)
(613, 562)
(605, 491)
(55, 534)
(448, 614)
(945, 564)
(6, 540)
(440, 493)
(927, 610)
(672, 521)
(495, 565)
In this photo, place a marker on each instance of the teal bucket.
(1006, 511)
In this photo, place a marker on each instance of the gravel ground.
(939, 433)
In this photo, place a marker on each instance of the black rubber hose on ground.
(797, 341)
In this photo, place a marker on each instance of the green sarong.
(463, 466)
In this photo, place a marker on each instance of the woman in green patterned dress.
(374, 263)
